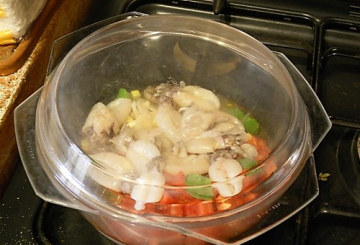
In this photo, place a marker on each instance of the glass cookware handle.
(25, 137)
(320, 122)
(25, 119)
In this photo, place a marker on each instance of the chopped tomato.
(261, 147)
(250, 196)
(253, 179)
(239, 200)
(181, 196)
(167, 198)
(224, 203)
(200, 208)
(159, 208)
(269, 168)
(175, 180)
(176, 210)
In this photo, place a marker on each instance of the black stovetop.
(321, 39)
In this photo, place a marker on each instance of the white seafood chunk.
(191, 164)
(224, 127)
(140, 153)
(149, 188)
(195, 95)
(168, 121)
(223, 117)
(195, 121)
(101, 120)
(113, 163)
(123, 139)
(121, 109)
(230, 187)
(225, 172)
(232, 142)
(200, 145)
(248, 151)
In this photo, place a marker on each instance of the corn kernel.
(135, 94)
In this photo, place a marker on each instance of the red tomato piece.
(175, 180)
(176, 210)
(239, 200)
(181, 196)
(224, 203)
(250, 196)
(253, 179)
(160, 208)
(167, 198)
(201, 208)
(261, 147)
(269, 168)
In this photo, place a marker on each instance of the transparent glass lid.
(78, 156)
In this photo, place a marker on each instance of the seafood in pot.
(174, 144)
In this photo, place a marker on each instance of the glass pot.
(137, 52)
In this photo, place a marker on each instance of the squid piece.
(226, 126)
(162, 93)
(121, 109)
(191, 164)
(101, 121)
(123, 139)
(148, 188)
(112, 162)
(223, 117)
(168, 121)
(248, 151)
(231, 187)
(225, 171)
(234, 143)
(200, 145)
(140, 153)
(195, 95)
(195, 121)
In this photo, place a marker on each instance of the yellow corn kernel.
(135, 94)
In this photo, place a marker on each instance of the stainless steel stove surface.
(322, 39)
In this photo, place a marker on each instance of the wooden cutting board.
(13, 56)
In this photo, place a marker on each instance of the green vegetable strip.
(247, 164)
(203, 193)
(123, 93)
(236, 113)
(250, 123)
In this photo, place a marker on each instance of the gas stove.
(321, 39)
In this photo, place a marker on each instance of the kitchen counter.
(67, 16)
